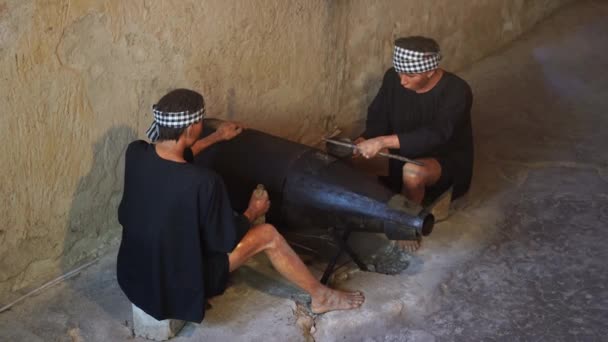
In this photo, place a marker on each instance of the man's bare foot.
(409, 245)
(331, 300)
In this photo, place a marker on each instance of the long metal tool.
(387, 155)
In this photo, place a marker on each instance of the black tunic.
(174, 215)
(435, 124)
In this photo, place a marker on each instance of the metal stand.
(341, 241)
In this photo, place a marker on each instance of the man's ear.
(430, 73)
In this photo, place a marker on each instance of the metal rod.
(387, 155)
(49, 284)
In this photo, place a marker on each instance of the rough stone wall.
(466, 31)
(79, 77)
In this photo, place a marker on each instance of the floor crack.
(305, 320)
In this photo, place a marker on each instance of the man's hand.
(370, 147)
(228, 130)
(356, 152)
(258, 206)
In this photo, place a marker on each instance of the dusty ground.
(522, 258)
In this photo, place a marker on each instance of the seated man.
(421, 112)
(180, 237)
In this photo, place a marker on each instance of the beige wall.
(79, 77)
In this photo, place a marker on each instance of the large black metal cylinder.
(307, 187)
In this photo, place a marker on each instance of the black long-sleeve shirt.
(173, 215)
(435, 124)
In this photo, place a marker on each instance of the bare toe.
(337, 300)
(409, 246)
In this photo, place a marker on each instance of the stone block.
(440, 207)
(148, 327)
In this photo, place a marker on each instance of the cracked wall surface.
(79, 77)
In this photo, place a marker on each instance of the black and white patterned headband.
(173, 120)
(414, 62)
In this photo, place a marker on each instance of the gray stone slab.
(521, 258)
(150, 328)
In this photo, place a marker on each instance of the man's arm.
(455, 110)
(226, 131)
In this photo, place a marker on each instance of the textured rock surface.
(522, 259)
(78, 79)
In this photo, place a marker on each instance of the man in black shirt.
(180, 237)
(421, 112)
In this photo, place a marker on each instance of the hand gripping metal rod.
(388, 155)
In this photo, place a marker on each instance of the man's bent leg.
(266, 238)
(415, 179)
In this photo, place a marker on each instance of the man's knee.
(413, 176)
(269, 235)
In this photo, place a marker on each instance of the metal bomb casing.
(307, 187)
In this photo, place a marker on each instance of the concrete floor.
(522, 258)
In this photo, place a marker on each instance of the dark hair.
(417, 43)
(178, 100)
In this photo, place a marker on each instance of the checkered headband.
(414, 62)
(173, 120)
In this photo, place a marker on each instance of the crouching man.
(180, 236)
(422, 112)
